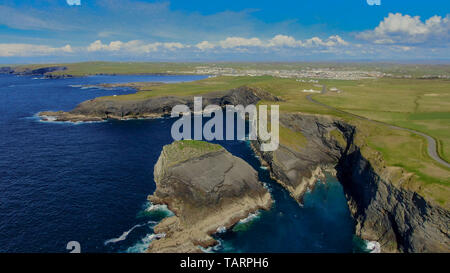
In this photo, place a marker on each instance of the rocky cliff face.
(101, 109)
(399, 219)
(207, 188)
(6, 70)
(32, 72)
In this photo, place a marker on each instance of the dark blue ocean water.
(62, 182)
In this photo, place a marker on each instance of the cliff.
(101, 109)
(384, 207)
(43, 71)
(385, 211)
(207, 188)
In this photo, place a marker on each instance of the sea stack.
(208, 189)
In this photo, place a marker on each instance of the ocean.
(89, 182)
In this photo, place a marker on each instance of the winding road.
(432, 146)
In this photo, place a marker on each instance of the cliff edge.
(381, 198)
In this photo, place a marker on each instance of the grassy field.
(416, 104)
(91, 68)
(422, 105)
(183, 150)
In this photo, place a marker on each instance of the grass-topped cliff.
(376, 134)
(208, 189)
(180, 151)
(420, 104)
(410, 103)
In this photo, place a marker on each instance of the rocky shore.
(44, 71)
(385, 211)
(208, 189)
(103, 109)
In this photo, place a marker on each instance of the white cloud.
(283, 40)
(24, 50)
(134, 46)
(229, 44)
(74, 2)
(232, 42)
(99, 46)
(277, 41)
(406, 29)
(138, 47)
(205, 45)
(173, 46)
(332, 41)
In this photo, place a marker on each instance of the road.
(432, 146)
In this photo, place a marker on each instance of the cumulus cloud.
(25, 50)
(205, 45)
(406, 29)
(283, 40)
(276, 42)
(232, 42)
(134, 46)
(138, 47)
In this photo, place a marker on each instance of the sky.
(218, 30)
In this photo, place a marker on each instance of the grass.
(190, 88)
(422, 105)
(92, 68)
(180, 151)
(391, 100)
(411, 103)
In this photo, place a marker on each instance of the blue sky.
(198, 30)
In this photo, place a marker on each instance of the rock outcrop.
(6, 70)
(102, 109)
(208, 189)
(43, 71)
(399, 219)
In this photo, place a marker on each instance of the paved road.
(432, 147)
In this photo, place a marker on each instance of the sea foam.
(126, 233)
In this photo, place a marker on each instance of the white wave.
(221, 229)
(126, 233)
(213, 248)
(52, 119)
(151, 207)
(143, 245)
(250, 217)
(373, 246)
(263, 168)
(123, 236)
(48, 118)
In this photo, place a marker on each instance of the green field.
(422, 105)
(418, 104)
(92, 68)
(403, 102)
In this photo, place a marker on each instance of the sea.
(88, 183)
